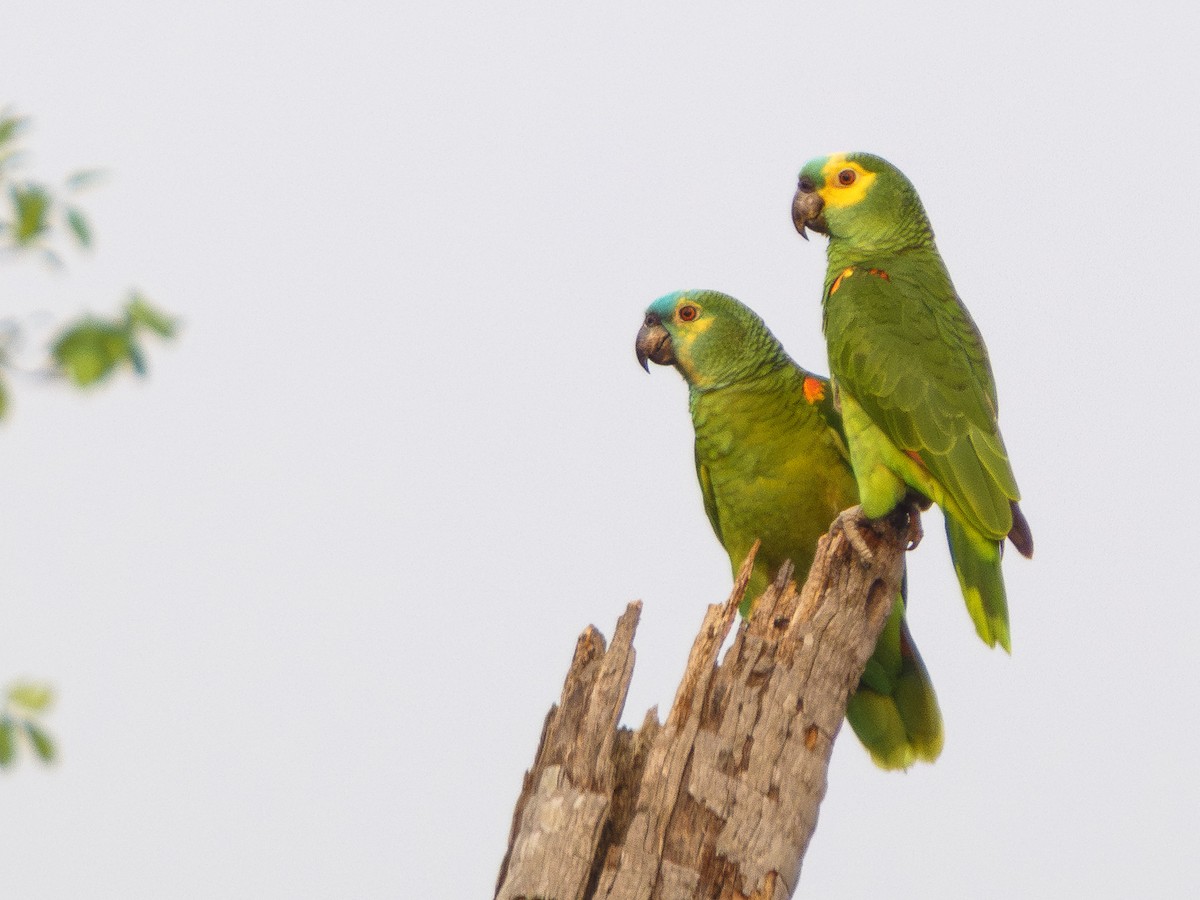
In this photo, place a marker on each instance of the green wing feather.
(908, 352)
(710, 499)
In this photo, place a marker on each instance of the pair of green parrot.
(909, 416)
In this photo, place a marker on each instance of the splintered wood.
(721, 800)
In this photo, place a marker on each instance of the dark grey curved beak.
(806, 209)
(654, 343)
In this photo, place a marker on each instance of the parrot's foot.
(906, 518)
(851, 522)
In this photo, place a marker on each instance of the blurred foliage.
(90, 349)
(20, 722)
(38, 218)
(39, 221)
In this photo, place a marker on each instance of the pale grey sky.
(308, 591)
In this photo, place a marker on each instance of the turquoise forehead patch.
(664, 306)
(813, 169)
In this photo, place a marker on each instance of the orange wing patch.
(916, 457)
(879, 273)
(814, 391)
(837, 282)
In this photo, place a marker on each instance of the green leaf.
(43, 744)
(8, 743)
(140, 313)
(90, 350)
(79, 226)
(84, 178)
(30, 695)
(31, 206)
(10, 127)
(3, 398)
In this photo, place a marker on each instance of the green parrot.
(911, 374)
(773, 465)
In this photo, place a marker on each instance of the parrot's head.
(860, 201)
(711, 338)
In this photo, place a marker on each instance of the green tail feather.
(895, 711)
(977, 563)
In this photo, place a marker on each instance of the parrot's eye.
(846, 177)
(688, 313)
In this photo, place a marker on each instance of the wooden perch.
(721, 800)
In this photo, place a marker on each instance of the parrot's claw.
(915, 530)
(848, 522)
(907, 519)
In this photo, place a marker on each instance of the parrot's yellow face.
(672, 327)
(843, 181)
(687, 326)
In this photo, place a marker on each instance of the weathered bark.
(722, 799)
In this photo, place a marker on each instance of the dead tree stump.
(721, 800)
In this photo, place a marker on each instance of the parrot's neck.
(758, 396)
(844, 252)
(868, 235)
(744, 374)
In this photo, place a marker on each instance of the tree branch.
(721, 800)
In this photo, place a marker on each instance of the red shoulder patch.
(814, 391)
(879, 273)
